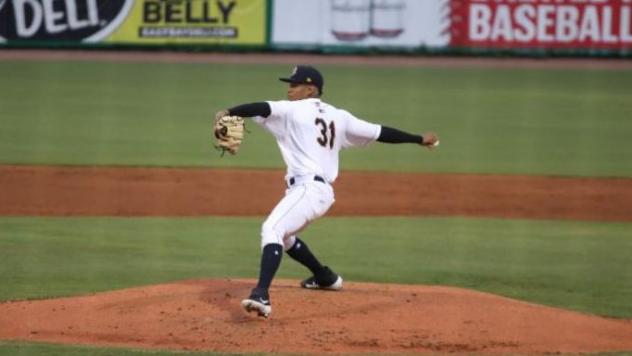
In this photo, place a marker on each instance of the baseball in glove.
(229, 132)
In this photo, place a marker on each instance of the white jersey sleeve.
(280, 112)
(359, 132)
(280, 109)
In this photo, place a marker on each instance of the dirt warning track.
(112, 191)
(292, 59)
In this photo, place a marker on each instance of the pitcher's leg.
(300, 252)
(319, 199)
(294, 212)
(322, 276)
(288, 242)
(290, 215)
(259, 299)
(270, 262)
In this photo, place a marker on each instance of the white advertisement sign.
(362, 23)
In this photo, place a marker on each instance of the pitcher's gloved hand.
(228, 131)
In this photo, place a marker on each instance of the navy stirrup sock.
(301, 253)
(270, 261)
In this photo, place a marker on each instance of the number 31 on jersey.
(326, 137)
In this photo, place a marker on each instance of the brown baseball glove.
(229, 132)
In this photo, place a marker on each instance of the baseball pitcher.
(310, 134)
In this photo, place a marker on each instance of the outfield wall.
(522, 27)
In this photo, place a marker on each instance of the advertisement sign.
(194, 21)
(361, 23)
(69, 20)
(129, 21)
(577, 24)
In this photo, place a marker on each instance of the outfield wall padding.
(593, 28)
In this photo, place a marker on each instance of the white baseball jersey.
(310, 134)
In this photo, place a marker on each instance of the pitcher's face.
(301, 91)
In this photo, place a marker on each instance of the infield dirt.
(111, 191)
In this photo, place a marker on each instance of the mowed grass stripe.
(575, 265)
(14, 348)
(514, 121)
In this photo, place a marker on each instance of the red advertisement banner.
(581, 24)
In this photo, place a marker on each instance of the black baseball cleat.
(259, 302)
(327, 280)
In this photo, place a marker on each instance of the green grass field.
(570, 122)
(21, 349)
(576, 265)
(552, 122)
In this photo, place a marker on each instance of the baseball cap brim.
(289, 80)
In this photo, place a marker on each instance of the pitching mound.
(205, 315)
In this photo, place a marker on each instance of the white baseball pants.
(305, 201)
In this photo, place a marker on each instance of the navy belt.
(316, 178)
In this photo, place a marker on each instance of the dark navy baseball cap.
(306, 75)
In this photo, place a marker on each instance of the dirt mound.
(119, 191)
(206, 315)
